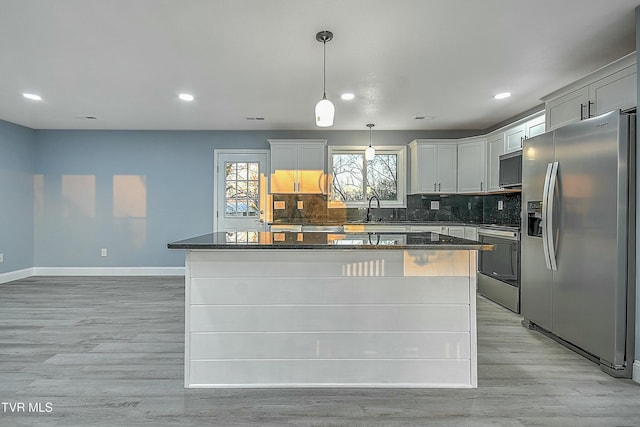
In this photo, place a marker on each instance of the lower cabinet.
(456, 232)
(471, 233)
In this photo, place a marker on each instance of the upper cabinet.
(609, 88)
(298, 166)
(471, 165)
(534, 127)
(508, 139)
(433, 166)
(495, 148)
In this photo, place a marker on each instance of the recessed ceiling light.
(424, 117)
(503, 95)
(347, 96)
(32, 96)
(186, 97)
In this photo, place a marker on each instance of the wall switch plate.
(1, 257)
(500, 205)
(279, 204)
(103, 252)
(469, 205)
(435, 205)
(300, 204)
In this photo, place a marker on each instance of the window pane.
(348, 177)
(242, 171)
(253, 171)
(382, 177)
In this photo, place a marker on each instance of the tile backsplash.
(470, 209)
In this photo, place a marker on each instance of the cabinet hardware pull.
(480, 185)
(589, 104)
(434, 186)
(581, 109)
(439, 187)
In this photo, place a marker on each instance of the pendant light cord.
(324, 69)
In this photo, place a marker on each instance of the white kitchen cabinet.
(535, 126)
(456, 231)
(513, 137)
(298, 166)
(471, 165)
(495, 150)
(433, 167)
(471, 233)
(615, 92)
(609, 88)
(567, 109)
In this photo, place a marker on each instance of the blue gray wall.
(132, 192)
(16, 196)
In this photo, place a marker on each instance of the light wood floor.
(109, 351)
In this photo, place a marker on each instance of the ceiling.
(124, 62)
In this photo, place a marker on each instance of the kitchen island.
(319, 309)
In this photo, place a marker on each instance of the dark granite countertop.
(332, 241)
(404, 222)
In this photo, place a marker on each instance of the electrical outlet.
(1, 257)
(300, 204)
(103, 252)
(469, 205)
(500, 205)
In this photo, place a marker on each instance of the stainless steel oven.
(499, 269)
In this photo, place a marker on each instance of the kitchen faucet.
(368, 218)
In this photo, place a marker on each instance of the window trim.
(400, 151)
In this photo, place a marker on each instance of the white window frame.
(400, 151)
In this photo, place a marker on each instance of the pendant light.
(324, 108)
(370, 152)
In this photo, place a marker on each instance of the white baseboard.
(636, 371)
(108, 271)
(16, 275)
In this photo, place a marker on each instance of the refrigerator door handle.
(553, 182)
(545, 210)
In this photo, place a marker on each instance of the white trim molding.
(90, 271)
(16, 275)
(636, 371)
(108, 271)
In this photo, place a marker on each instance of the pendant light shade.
(370, 152)
(325, 111)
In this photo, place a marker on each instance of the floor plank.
(104, 351)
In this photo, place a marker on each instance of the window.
(242, 187)
(354, 180)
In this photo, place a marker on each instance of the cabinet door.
(569, 108)
(617, 91)
(456, 232)
(284, 158)
(471, 233)
(496, 149)
(310, 162)
(534, 127)
(447, 168)
(513, 138)
(426, 165)
(471, 166)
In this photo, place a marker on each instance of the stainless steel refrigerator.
(578, 239)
